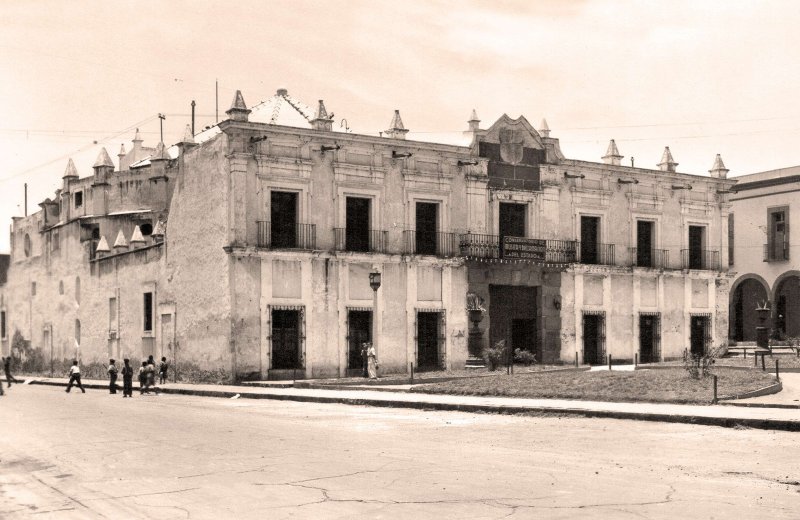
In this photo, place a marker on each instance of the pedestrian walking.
(372, 362)
(112, 377)
(143, 378)
(75, 377)
(151, 373)
(7, 369)
(127, 378)
(162, 371)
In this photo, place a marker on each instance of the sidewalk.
(771, 418)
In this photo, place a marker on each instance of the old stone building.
(762, 253)
(245, 251)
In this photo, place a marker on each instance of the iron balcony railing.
(368, 241)
(595, 253)
(776, 252)
(434, 243)
(655, 258)
(495, 246)
(286, 236)
(705, 259)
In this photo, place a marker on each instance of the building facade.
(245, 251)
(764, 210)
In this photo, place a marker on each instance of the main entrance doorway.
(428, 340)
(359, 331)
(649, 338)
(523, 335)
(594, 339)
(285, 339)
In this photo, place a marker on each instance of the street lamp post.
(375, 284)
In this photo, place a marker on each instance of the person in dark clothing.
(75, 377)
(112, 377)
(162, 371)
(127, 379)
(143, 378)
(7, 368)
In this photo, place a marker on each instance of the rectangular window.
(644, 243)
(590, 240)
(2, 324)
(427, 217)
(148, 312)
(78, 199)
(357, 224)
(283, 218)
(696, 251)
(730, 238)
(778, 234)
(512, 219)
(112, 314)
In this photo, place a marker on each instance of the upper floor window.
(731, 236)
(357, 224)
(427, 225)
(148, 312)
(777, 247)
(644, 243)
(78, 199)
(26, 245)
(3, 334)
(512, 219)
(283, 219)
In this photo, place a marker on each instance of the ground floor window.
(594, 337)
(649, 337)
(699, 333)
(288, 336)
(430, 339)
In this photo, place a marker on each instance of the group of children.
(147, 376)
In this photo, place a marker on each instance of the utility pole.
(26, 199)
(161, 118)
(193, 104)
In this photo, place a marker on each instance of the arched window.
(78, 289)
(78, 332)
(27, 245)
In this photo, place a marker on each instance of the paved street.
(98, 456)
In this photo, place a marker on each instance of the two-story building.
(264, 231)
(762, 253)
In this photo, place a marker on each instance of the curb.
(767, 390)
(725, 422)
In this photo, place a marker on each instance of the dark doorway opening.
(283, 219)
(699, 334)
(512, 220)
(426, 226)
(359, 331)
(777, 235)
(594, 339)
(644, 243)
(696, 247)
(357, 224)
(745, 298)
(787, 307)
(590, 229)
(285, 339)
(428, 340)
(649, 338)
(523, 334)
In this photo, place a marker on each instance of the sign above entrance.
(524, 248)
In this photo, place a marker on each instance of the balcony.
(286, 236)
(653, 258)
(367, 241)
(776, 252)
(704, 259)
(532, 249)
(595, 253)
(444, 245)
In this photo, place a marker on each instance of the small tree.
(698, 365)
(524, 357)
(495, 356)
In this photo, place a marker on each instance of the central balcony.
(291, 235)
(443, 245)
(360, 240)
(702, 259)
(531, 249)
(595, 253)
(647, 257)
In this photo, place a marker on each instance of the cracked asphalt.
(93, 455)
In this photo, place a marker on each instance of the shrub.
(524, 357)
(495, 356)
(700, 365)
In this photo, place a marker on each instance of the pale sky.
(702, 77)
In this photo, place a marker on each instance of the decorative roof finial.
(396, 129)
(612, 155)
(238, 110)
(71, 172)
(321, 119)
(474, 123)
(188, 137)
(544, 129)
(103, 160)
(719, 171)
(667, 163)
(120, 242)
(102, 246)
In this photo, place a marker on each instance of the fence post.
(576, 359)
(635, 359)
(715, 389)
(763, 368)
(609, 362)
(755, 359)
(411, 365)
(777, 371)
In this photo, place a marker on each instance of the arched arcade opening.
(745, 297)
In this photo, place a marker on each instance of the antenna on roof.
(193, 103)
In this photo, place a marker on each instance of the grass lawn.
(659, 386)
(784, 361)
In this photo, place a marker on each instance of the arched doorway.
(745, 297)
(787, 306)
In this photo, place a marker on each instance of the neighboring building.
(263, 231)
(764, 209)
